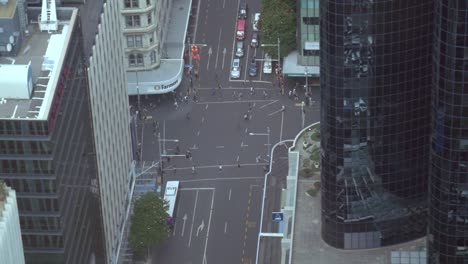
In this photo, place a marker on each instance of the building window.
(148, 2)
(135, 41)
(139, 41)
(130, 41)
(130, 3)
(132, 21)
(311, 20)
(153, 56)
(140, 59)
(150, 19)
(311, 52)
(132, 60)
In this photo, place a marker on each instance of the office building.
(154, 35)
(448, 188)
(111, 125)
(375, 120)
(46, 143)
(64, 136)
(11, 246)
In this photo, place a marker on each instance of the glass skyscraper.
(448, 189)
(375, 120)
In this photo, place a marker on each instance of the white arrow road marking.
(183, 225)
(225, 227)
(210, 51)
(263, 106)
(201, 226)
(193, 218)
(230, 191)
(224, 57)
(275, 112)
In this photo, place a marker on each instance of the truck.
(240, 33)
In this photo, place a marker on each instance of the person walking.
(193, 169)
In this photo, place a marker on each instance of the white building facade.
(109, 104)
(11, 245)
(154, 33)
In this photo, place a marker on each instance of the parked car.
(267, 64)
(236, 68)
(239, 49)
(253, 68)
(242, 11)
(254, 41)
(255, 22)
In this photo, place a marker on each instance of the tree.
(278, 20)
(149, 225)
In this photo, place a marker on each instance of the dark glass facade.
(448, 189)
(375, 120)
(52, 167)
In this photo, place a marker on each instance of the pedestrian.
(177, 150)
(187, 116)
(246, 116)
(220, 168)
(294, 92)
(195, 98)
(252, 91)
(265, 95)
(290, 94)
(240, 96)
(176, 105)
(258, 158)
(193, 169)
(238, 164)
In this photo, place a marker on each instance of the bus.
(170, 195)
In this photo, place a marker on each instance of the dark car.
(242, 11)
(253, 68)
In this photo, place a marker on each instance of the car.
(255, 22)
(236, 68)
(253, 68)
(254, 41)
(242, 11)
(239, 49)
(267, 64)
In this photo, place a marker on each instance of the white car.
(236, 68)
(255, 22)
(267, 64)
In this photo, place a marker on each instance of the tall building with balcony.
(375, 116)
(154, 35)
(448, 188)
(11, 246)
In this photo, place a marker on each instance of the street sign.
(277, 216)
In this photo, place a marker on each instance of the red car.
(240, 33)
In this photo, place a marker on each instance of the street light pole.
(268, 131)
(279, 57)
(307, 80)
(138, 90)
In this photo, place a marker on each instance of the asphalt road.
(218, 210)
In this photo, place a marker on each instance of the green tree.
(149, 225)
(278, 20)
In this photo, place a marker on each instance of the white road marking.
(235, 102)
(203, 119)
(198, 133)
(210, 51)
(263, 106)
(193, 218)
(224, 58)
(200, 227)
(217, 50)
(208, 228)
(194, 147)
(183, 225)
(245, 130)
(224, 179)
(219, 146)
(230, 191)
(225, 227)
(206, 107)
(237, 158)
(275, 112)
(281, 131)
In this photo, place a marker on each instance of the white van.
(255, 22)
(267, 64)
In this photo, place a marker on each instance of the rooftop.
(8, 10)
(44, 52)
